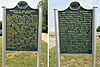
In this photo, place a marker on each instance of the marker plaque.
(75, 29)
(22, 28)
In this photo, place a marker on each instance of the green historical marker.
(75, 29)
(22, 28)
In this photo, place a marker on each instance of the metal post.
(4, 37)
(39, 36)
(57, 36)
(94, 39)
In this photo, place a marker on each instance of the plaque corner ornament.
(74, 5)
(22, 5)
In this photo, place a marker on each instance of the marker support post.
(57, 36)
(39, 36)
(4, 37)
(94, 39)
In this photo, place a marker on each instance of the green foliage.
(0, 24)
(44, 5)
(98, 29)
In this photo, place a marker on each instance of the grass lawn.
(25, 59)
(52, 57)
(29, 59)
(0, 51)
(75, 60)
(98, 53)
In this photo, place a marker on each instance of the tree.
(98, 29)
(44, 5)
(0, 24)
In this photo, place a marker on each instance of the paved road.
(45, 37)
(52, 42)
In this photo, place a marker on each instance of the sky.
(13, 3)
(64, 4)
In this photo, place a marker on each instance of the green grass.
(75, 60)
(98, 53)
(52, 57)
(25, 59)
(28, 59)
(44, 54)
(21, 59)
(0, 51)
